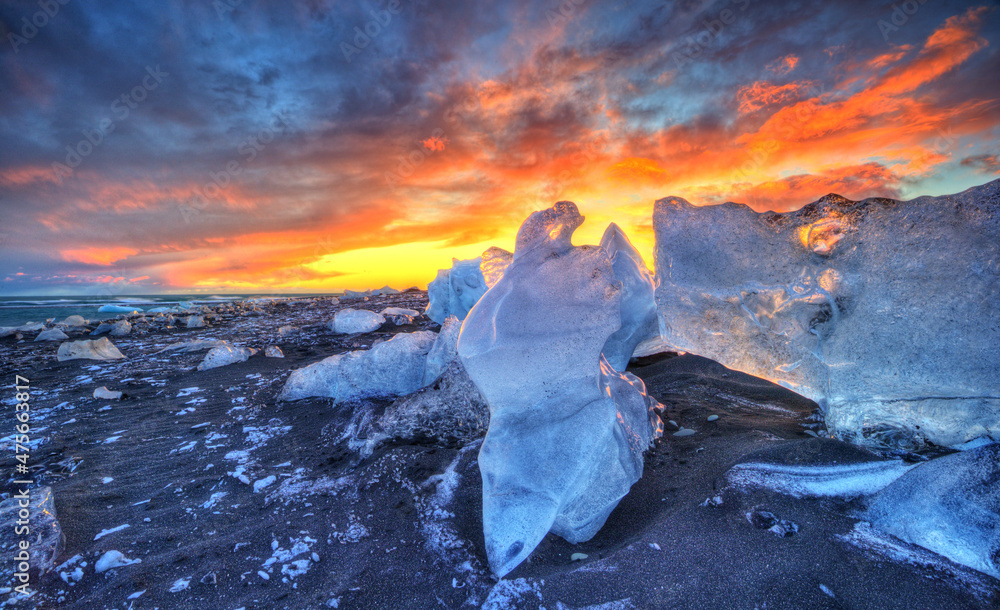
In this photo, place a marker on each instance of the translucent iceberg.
(118, 309)
(950, 505)
(392, 368)
(884, 312)
(444, 350)
(494, 262)
(638, 309)
(349, 321)
(567, 431)
(454, 291)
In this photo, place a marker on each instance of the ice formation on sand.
(225, 354)
(884, 312)
(567, 431)
(349, 321)
(98, 349)
(454, 291)
(392, 368)
(949, 505)
(52, 334)
(638, 310)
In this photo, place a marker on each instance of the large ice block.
(885, 312)
(950, 505)
(638, 310)
(567, 430)
(454, 291)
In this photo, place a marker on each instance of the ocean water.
(15, 311)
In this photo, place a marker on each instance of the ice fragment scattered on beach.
(391, 368)
(273, 351)
(113, 559)
(224, 355)
(103, 393)
(349, 321)
(949, 505)
(120, 328)
(567, 430)
(884, 312)
(74, 320)
(52, 334)
(98, 349)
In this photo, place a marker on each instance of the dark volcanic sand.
(402, 529)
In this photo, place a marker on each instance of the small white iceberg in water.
(118, 309)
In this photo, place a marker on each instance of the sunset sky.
(251, 146)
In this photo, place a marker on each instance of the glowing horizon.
(275, 159)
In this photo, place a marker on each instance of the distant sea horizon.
(19, 310)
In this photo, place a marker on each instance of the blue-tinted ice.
(567, 430)
(884, 312)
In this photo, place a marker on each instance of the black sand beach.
(235, 500)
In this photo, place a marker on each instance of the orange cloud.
(97, 256)
(783, 65)
(762, 94)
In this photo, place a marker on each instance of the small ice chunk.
(113, 559)
(180, 584)
(350, 321)
(225, 355)
(391, 368)
(685, 432)
(273, 351)
(713, 417)
(52, 334)
(74, 320)
(99, 349)
(120, 328)
(262, 483)
(103, 393)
